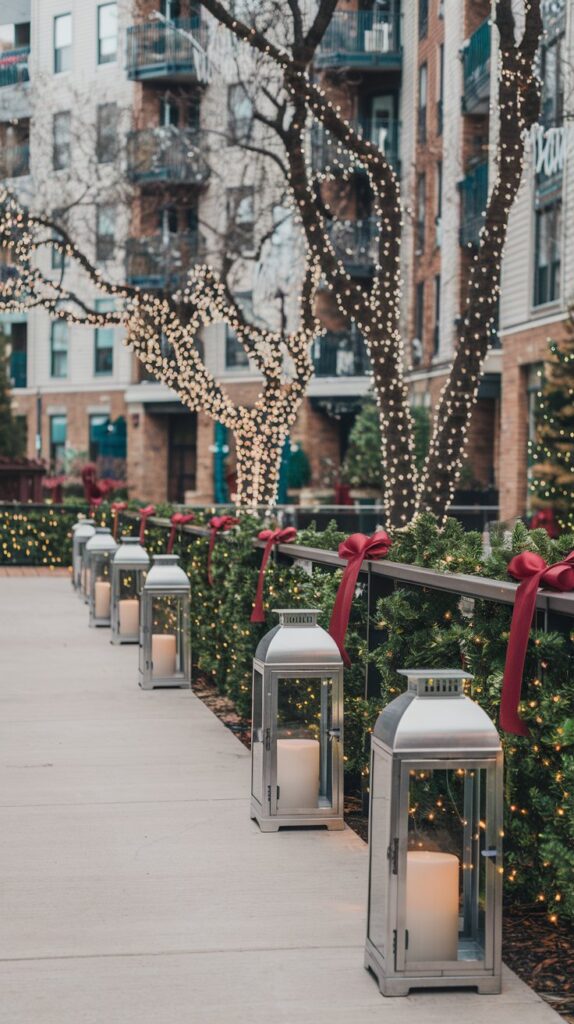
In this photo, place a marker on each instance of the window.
(58, 257)
(436, 313)
(105, 232)
(107, 132)
(547, 247)
(107, 33)
(104, 341)
(440, 97)
(422, 109)
(97, 423)
(438, 189)
(551, 75)
(59, 349)
(235, 355)
(62, 43)
(421, 212)
(61, 140)
(17, 336)
(240, 218)
(58, 434)
(240, 113)
(423, 18)
(420, 311)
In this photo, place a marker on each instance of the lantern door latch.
(268, 739)
(335, 733)
(393, 855)
(489, 853)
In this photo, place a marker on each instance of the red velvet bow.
(117, 507)
(533, 571)
(94, 505)
(355, 549)
(178, 519)
(217, 524)
(271, 537)
(145, 513)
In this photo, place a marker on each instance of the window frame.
(56, 446)
(241, 233)
(112, 138)
(421, 194)
(105, 243)
(550, 292)
(59, 347)
(61, 117)
(101, 59)
(420, 312)
(422, 108)
(437, 312)
(104, 305)
(58, 62)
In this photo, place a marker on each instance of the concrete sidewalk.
(135, 888)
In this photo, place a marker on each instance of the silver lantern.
(99, 552)
(129, 568)
(297, 726)
(435, 840)
(164, 631)
(81, 533)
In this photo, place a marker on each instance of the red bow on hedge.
(355, 549)
(145, 513)
(94, 505)
(117, 507)
(217, 524)
(533, 571)
(177, 519)
(271, 537)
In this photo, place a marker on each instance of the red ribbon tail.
(524, 606)
(258, 614)
(142, 530)
(209, 554)
(342, 607)
(115, 530)
(171, 539)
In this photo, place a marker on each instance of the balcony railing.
(355, 243)
(15, 161)
(474, 196)
(167, 154)
(362, 39)
(324, 145)
(14, 66)
(18, 369)
(159, 50)
(476, 71)
(340, 354)
(155, 261)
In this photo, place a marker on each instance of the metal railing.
(324, 145)
(340, 354)
(155, 261)
(355, 242)
(14, 66)
(18, 369)
(474, 196)
(476, 69)
(163, 49)
(15, 161)
(361, 39)
(167, 154)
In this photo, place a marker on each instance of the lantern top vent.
(298, 640)
(434, 716)
(166, 574)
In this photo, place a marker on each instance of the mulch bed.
(540, 953)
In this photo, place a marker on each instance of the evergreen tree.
(552, 451)
(11, 438)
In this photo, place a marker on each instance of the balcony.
(363, 40)
(15, 161)
(14, 66)
(324, 145)
(162, 52)
(340, 354)
(355, 243)
(167, 155)
(161, 262)
(474, 196)
(476, 71)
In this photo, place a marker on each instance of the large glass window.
(58, 435)
(59, 349)
(107, 33)
(241, 218)
(436, 337)
(107, 132)
(440, 97)
(423, 18)
(420, 311)
(235, 355)
(240, 113)
(421, 212)
(104, 341)
(62, 43)
(62, 139)
(552, 77)
(547, 253)
(96, 424)
(105, 232)
(58, 256)
(422, 107)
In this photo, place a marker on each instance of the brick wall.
(77, 406)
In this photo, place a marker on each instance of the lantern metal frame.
(100, 550)
(166, 578)
(434, 726)
(132, 557)
(81, 534)
(296, 648)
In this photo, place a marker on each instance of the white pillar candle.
(102, 597)
(297, 773)
(432, 905)
(163, 654)
(129, 616)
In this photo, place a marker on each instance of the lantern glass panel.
(167, 632)
(304, 743)
(380, 839)
(257, 738)
(446, 864)
(130, 583)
